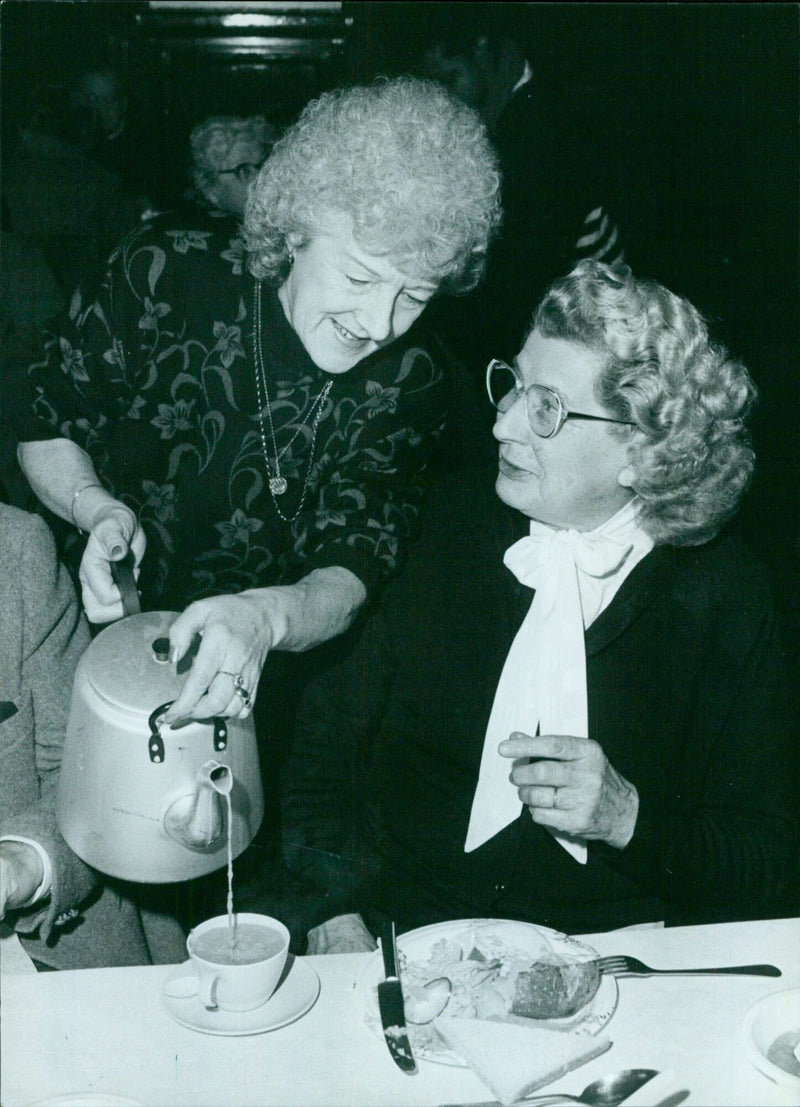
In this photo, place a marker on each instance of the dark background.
(695, 105)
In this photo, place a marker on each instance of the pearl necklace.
(276, 481)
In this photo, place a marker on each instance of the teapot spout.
(197, 820)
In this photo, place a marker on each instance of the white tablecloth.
(104, 1030)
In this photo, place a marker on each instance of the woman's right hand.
(115, 530)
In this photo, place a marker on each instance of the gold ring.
(555, 797)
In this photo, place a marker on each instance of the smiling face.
(345, 303)
(579, 478)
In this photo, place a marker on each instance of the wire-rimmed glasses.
(244, 172)
(547, 412)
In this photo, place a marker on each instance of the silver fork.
(629, 966)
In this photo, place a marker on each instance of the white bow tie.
(543, 683)
(532, 560)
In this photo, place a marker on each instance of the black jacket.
(687, 696)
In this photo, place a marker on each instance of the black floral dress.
(153, 373)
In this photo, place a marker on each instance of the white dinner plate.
(296, 993)
(416, 945)
(772, 1016)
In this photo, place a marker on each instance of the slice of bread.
(514, 1060)
(555, 990)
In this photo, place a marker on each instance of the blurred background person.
(30, 293)
(100, 111)
(556, 194)
(226, 155)
(57, 195)
(66, 916)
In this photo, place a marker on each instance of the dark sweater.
(152, 372)
(687, 697)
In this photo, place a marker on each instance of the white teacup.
(239, 970)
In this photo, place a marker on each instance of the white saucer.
(296, 993)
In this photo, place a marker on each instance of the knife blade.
(7, 710)
(390, 1002)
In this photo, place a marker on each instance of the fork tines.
(618, 965)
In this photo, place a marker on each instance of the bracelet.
(83, 487)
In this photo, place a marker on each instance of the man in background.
(555, 195)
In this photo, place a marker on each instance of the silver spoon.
(423, 1003)
(608, 1091)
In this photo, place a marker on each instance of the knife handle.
(389, 950)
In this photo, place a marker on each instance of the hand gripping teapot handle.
(122, 573)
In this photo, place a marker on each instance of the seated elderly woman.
(227, 153)
(259, 415)
(66, 917)
(589, 730)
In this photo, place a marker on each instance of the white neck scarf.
(543, 683)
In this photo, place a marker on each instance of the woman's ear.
(626, 476)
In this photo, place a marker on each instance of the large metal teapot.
(141, 800)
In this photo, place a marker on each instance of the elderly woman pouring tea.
(586, 722)
(253, 422)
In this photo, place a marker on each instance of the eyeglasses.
(244, 172)
(546, 411)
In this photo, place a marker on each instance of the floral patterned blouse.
(154, 375)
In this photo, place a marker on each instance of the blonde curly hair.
(409, 163)
(685, 394)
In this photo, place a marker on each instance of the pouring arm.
(239, 631)
(320, 606)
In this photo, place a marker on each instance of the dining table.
(101, 1033)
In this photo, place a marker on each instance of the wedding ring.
(238, 686)
(555, 797)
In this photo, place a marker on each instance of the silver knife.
(390, 1001)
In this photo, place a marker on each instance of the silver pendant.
(277, 485)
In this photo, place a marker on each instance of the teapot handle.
(122, 572)
(155, 743)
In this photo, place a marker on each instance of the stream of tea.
(231, 917)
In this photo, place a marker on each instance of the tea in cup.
(238, 966)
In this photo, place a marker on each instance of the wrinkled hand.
(236, 638)
(342, 934)
(591, 799)
(21, 873)
(115, 530)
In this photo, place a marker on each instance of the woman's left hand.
(21, 873)
(571, 786)
(236, 638)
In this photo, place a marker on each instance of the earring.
(291, 258)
